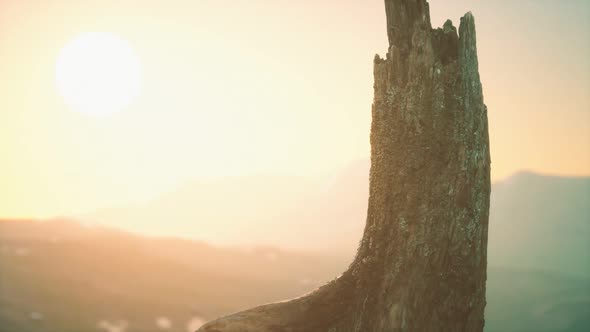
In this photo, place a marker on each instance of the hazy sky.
(263, 86)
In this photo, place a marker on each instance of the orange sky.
(263, 86)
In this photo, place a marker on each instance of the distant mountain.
(536, 221)
(59, 276)
(230, 211)
(286, 212)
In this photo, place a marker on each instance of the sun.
(98, 73)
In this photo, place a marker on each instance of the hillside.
(533, 300)
(58, 276)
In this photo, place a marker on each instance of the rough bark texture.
(421, 265)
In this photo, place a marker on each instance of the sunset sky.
(247, 87)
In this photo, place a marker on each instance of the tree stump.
(421, 264)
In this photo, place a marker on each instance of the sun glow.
(98, 73)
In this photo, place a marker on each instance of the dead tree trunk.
(421, 265)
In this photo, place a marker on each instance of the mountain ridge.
(303, 218)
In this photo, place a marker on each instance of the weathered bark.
(421, 265)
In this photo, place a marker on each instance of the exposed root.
(323, 310)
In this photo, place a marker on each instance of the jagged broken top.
(404, 17)
(413, 43)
